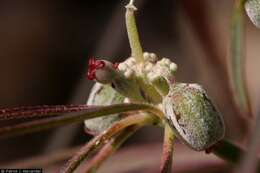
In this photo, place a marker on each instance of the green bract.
(102, 95)
(192, 116)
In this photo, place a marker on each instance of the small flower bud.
(146, 56)
(193, 116)
(122, 67)
(128, 73)
(101, 70)
(173, 67)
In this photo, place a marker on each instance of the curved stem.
(166, 160)
(98, 141)
(237, 60)
(136, 48)
(109, 149)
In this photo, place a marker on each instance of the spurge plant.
(140, 91)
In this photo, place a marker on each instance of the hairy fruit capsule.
(193, 116)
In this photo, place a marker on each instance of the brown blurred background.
(45, 45)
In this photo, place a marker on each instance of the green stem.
(237, 61)
(77, 117)
(166, 160)
(136, 48)
(228, 151)
(100, 140)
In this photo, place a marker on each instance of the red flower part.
(93, 66)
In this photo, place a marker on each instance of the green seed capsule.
(102, 95)
(253, 11)
(192, 116)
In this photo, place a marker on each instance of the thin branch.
(109, 149)
(75, 117)
(166, 160)
(98, 141)
(39, 111)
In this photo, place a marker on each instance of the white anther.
(122, 67)
(148, 66)
(153, 55)
(128, 73)
(130, 61)
(151, 76)
(167, 61)
(173, 67)
(160, 62)
(146, 56)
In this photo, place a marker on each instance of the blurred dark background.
(45, 45)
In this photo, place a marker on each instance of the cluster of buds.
(188, 109)
(131, 78)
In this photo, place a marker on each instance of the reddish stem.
(38, 111)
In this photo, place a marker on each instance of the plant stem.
(109, 149)
(230, 152)
(166, 160)
(136, 48)
(39, 111)
(60, 120)
(98, 141)
(237, 61)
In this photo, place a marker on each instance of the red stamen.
(94, 65)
